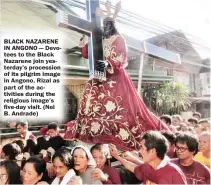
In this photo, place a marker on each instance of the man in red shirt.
(154, 169)
(186, 148)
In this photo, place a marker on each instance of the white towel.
(65, 179)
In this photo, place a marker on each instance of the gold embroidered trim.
(109, 50)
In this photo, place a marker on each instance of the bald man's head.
(204, 142)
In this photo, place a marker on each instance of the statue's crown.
(99, 11)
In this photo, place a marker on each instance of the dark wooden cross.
(90, 27)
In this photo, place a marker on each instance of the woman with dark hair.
(9, 173)
(103, 172)
(20, 143)
(33, 171)
(63, 167)
(10, 151)
(84, 164)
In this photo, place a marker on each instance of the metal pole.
(141, 70)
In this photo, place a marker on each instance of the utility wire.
(165, 30)
(127, 13)
(164, 27)
(139, 26)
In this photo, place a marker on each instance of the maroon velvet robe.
(111, 111)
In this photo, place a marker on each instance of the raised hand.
(26, 155)
(44, 153)
(75, 180)
(97, 174)
(113, 150)
(51, 172)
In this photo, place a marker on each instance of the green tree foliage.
(168, 98)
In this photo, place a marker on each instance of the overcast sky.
(191, 16)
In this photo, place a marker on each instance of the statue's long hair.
(109, 18)
(113, 30)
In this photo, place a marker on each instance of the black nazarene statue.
(111, 111)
